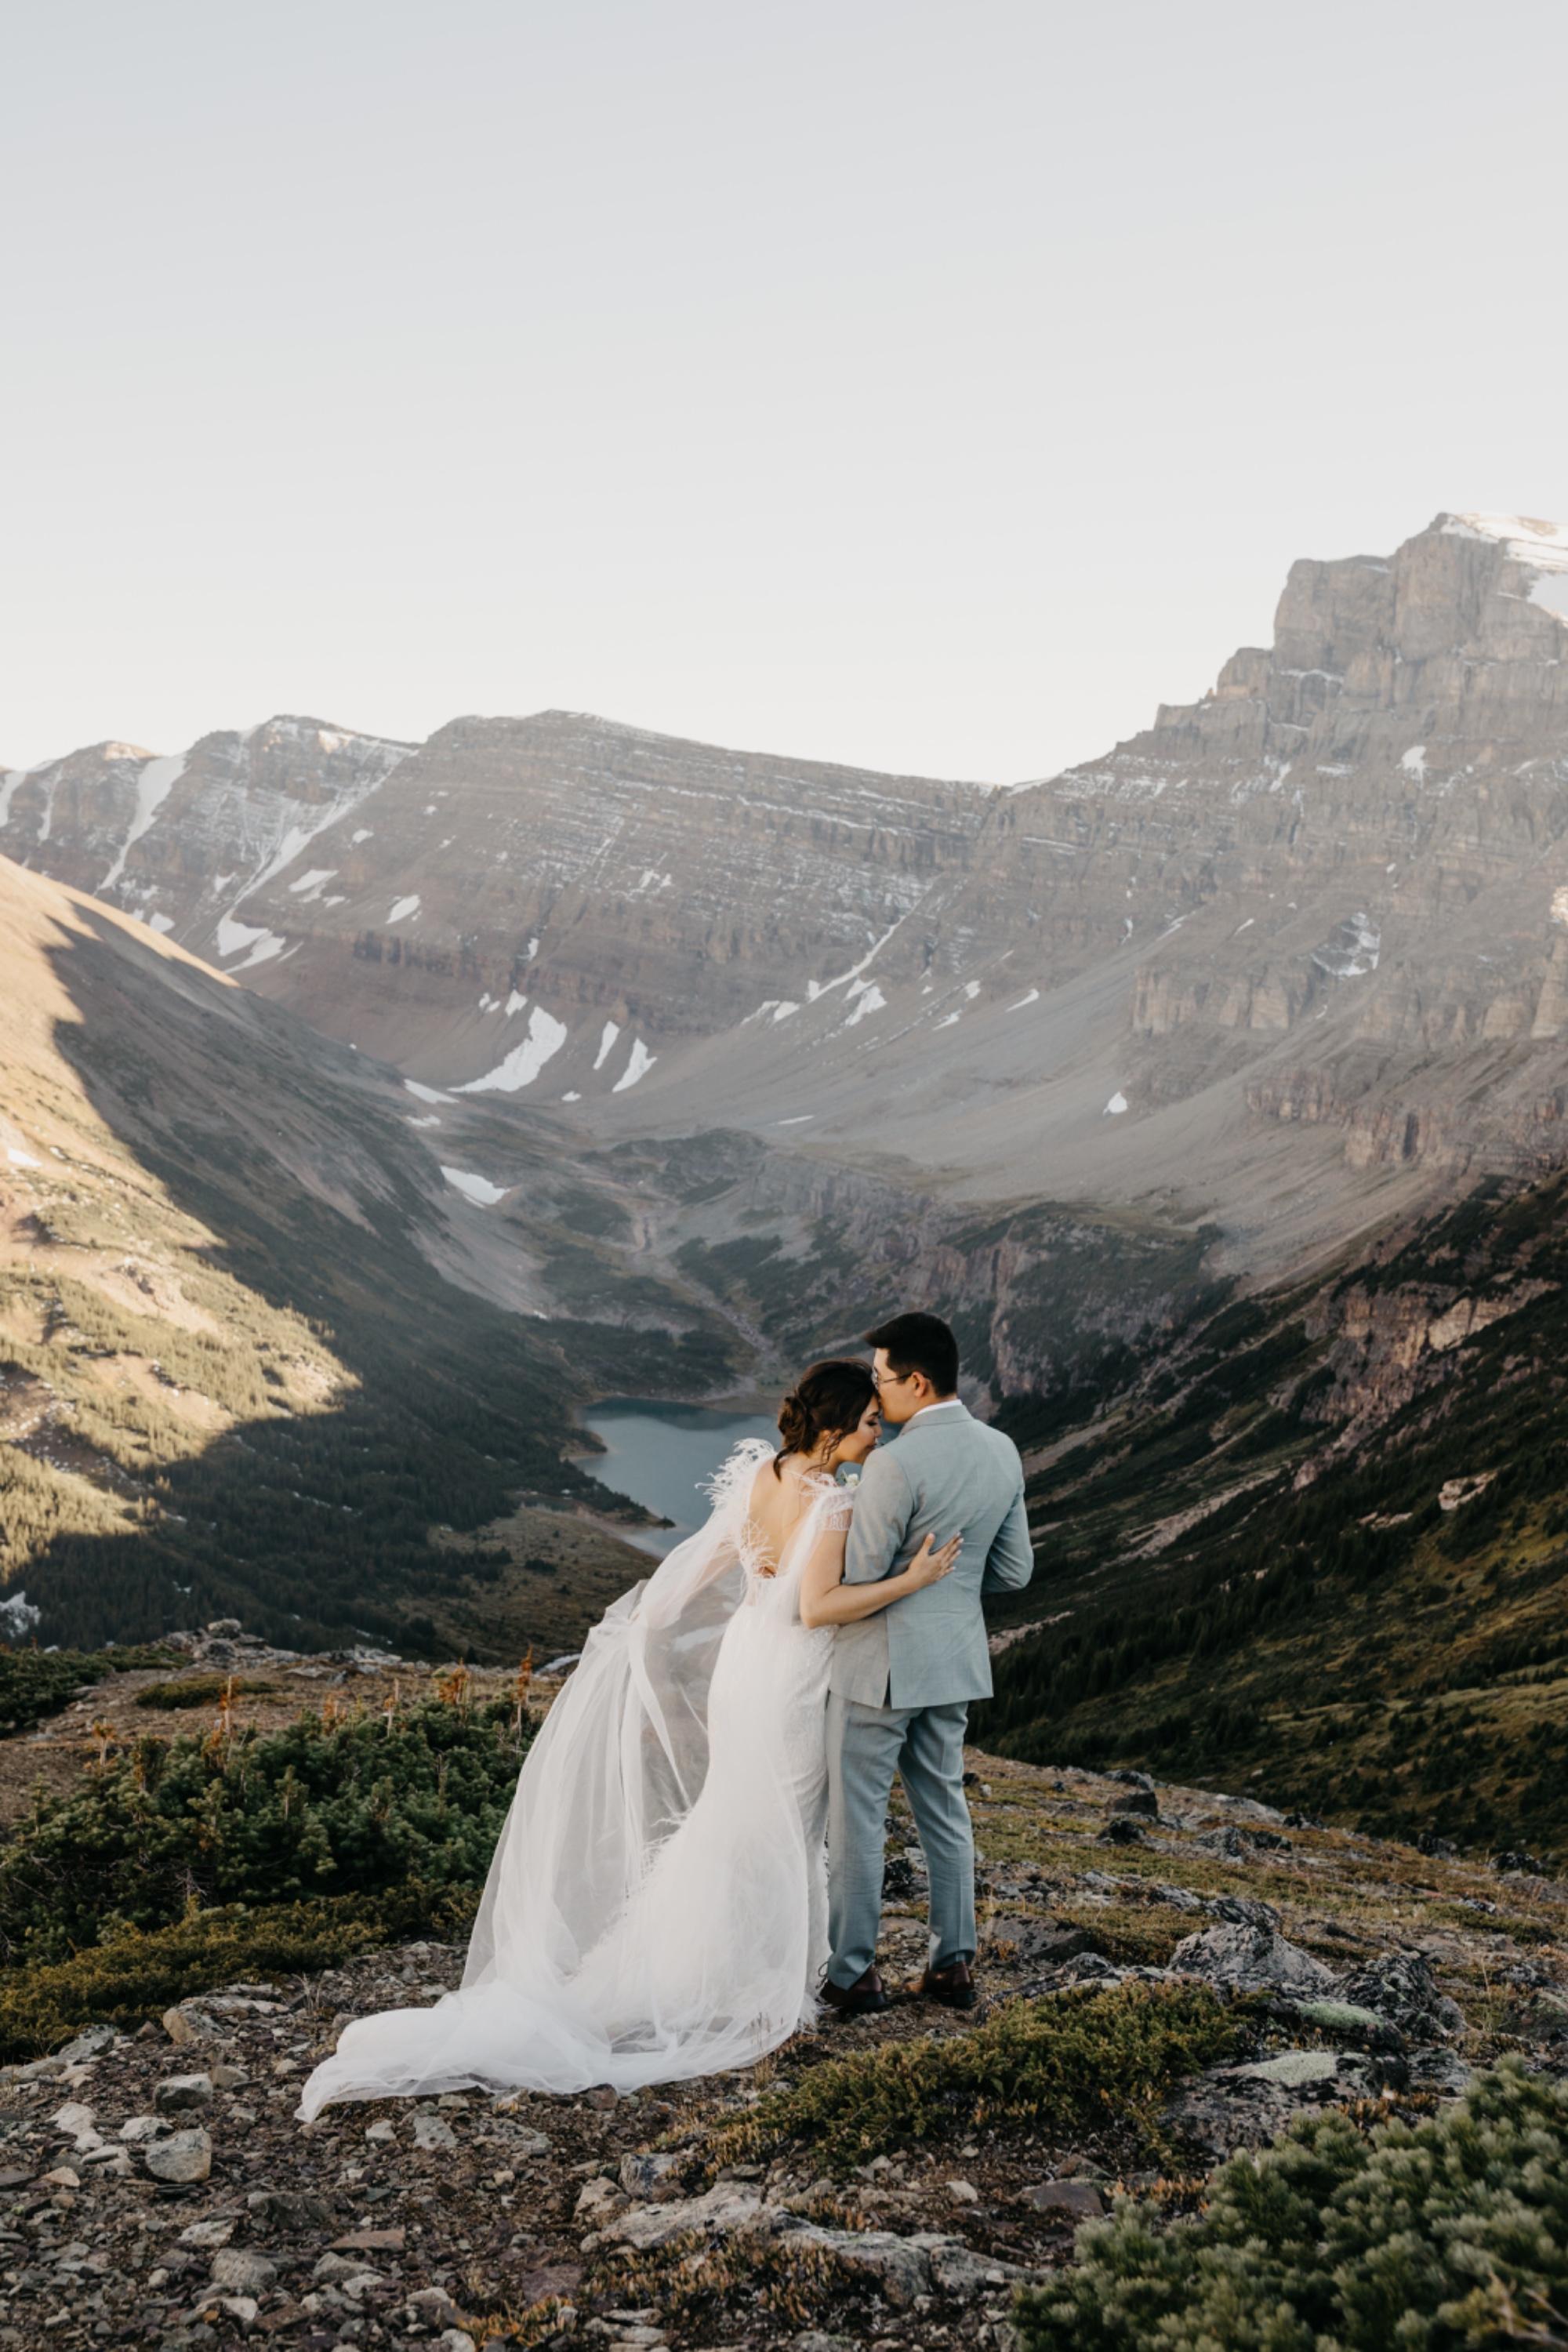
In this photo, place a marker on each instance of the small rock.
(1400, 1987)
(1349, 2017)
(649, 2176)
(216, 2232)
(136, 2128)
(431, 2130)
(371, 2242)
(557, 2278)
(332, 2269)
(427, 2304)
(1078, 2200)
(384, 2129)
(1441, 2072)
(597, 2200)
(180, 2028)
(62, 2176)
(1515, 1862)
(1121, 1831)
(182, 2091)
(963, 2192)
(291, 2213)
(1242, 1911)
(1292, 2068)
(1251, 1960)
(1142, 1801)
(1039, 1941)
(604, 2096)
(724, 2208)
(184, 2156)
(89, 2045)
(76, 2122)
(237, 2272)
(1227, 1841)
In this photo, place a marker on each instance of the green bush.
(135, 1975)
(1067, 2062)
(201, 1690)
(34, 1683)
(1448, 2237)
(353, 1804)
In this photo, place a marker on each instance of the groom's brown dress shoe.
(952, 1985)
(864, 1997)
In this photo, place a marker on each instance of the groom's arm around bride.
(901, 1681)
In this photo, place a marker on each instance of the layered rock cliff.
(1293, 956)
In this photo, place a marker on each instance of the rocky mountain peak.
(1449, 638)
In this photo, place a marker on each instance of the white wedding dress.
(657, 1906)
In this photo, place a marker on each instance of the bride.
(657, 1904)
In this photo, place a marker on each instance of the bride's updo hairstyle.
(827, 1401)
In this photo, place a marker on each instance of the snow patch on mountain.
(8, 783)
(639, 1066)
(232, 938)
(403, 908)
(545, 1037)
(18, 1616)
(153, 785)
(1352, 952)
(478, 1189)
(606, 1044)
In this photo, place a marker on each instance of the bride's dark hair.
(826, 1402)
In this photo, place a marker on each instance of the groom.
(901, 1681)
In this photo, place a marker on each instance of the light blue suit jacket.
(945, 1475)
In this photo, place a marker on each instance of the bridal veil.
(643, 1917)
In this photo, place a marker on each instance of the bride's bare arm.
(826, 1599)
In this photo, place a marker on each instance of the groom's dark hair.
(920, 1343)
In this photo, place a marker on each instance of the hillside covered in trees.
(1318, 1548)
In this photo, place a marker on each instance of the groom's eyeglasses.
(889, 1380)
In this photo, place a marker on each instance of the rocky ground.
(156, 2187)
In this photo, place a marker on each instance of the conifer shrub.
(201, 1690)
(135, 1975)
(34, 1683)
(1069, 2062)
(338, 1804)
(1450, 2236)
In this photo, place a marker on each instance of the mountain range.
(572, 1056)
(1294, 956)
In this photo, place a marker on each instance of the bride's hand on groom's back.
(929, 1565)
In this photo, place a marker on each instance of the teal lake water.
(659, 1454)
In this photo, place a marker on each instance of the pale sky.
(929, 384)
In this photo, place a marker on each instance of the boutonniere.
(848, 1477)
